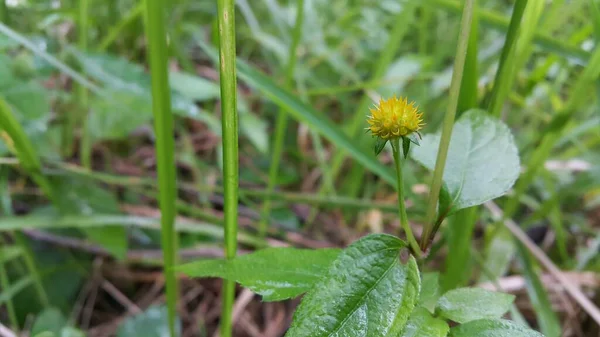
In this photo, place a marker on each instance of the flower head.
(394, 118)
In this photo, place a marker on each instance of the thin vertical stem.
(82, 92)
(281, 123)
(438, 173)
(165, 147)
(414, 245)
(226, 19)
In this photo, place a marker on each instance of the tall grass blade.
(227, 70)
(165, 146)
(457, 73)
(507, 60)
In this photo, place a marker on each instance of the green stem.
(226, 18)
(438, 173)
(85, 145)
(281, 123)
(165, 146)
(414, 245)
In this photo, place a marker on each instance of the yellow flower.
(394, 118)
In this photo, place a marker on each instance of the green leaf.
(193, 87)
(483, 161)
(430, 290)
(50, 320)
(151, 323)
(367, 292)
(405, 146)
(275, 273)
(379, 145)
(492, 327)
(414, 137)
(422, 324)
(468, 304)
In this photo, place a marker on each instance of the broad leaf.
(366, 293)
(483, 161)
(430, 290)
(492, 327)
(468, 304)
(275, 273)
(422, 324)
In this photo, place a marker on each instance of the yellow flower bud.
(394, 118)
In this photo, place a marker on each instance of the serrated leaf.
(483, 160)
(379, 145)
(275, 273)
(492, 327)
(463, 305)
(422, 324)
(430, 290)
(367, 292)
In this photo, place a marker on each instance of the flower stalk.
(414, 245)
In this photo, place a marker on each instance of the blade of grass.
(290, 197)
(17, 140)
(457, 73)
(133, 14)
(461, 226)
(281, 123)
(48, 58)
(507, 60)
(8, 293)
(547, 319)
(229, 115)
(102, 220)
(5, 284)
(85, 147)
(165, 147)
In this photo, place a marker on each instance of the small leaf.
(379, 145)
(151, 323)
(483, 160)
(422, 324)
(430, 290)
(468, 304)
(415, 138)
(275, 273)
(367, 292)
(405, 146)
(445, 203)
(50, 320)
(492, 327)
